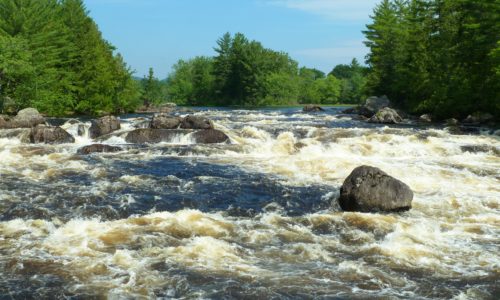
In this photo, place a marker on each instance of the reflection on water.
(257, 218)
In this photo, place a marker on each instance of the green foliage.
(151, 90)
(64, 64)
(245, 73)
(437, 56)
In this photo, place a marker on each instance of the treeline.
(436, 56)
(245, 73)
(53, 57)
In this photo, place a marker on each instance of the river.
(257, 218)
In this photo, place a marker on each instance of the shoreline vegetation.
(439, 58)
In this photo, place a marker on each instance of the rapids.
(256, 218)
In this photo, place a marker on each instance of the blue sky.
(156, 33)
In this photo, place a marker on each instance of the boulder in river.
(99, 148)
(50, 135)
(163, 121)
(427, 118)
(369, 189)
(375, 104)
(104, 125)
(479, 118)
(25, 118)
(386, 115)
(195, 122)
(151, 135)
(312, 108)
(210, 136)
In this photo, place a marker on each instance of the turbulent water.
(257, 218)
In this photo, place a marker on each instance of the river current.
(256, 218)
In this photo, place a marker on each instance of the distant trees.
(151, 90)
(438, 56)
(245, 73)
(53, 57)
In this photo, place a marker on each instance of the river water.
(257, 218)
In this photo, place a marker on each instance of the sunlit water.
(256, 218)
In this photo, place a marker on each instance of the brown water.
(257, 218)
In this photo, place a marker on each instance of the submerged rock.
(312, 108)
(480, 149)
(210, 136)
(100, 148)
(26, 118)
(195, 122)
(163, 121)
(50, 135)
(386, 116)
(369, 189)
(104, 125)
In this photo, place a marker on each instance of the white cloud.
(346, 10)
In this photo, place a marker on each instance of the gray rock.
(104, 125)
(312, 108)
(194, 122)
(451, 122)
(80, 130)
(480, 149)
(479, 118)
(369, 189)
(427, 118)
(163, 121)
(151, 135)
(210, 136)
(26, 118)
(374, 103)
(386, 116)
(50, 135)
(99, 148)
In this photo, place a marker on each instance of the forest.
(434, 56)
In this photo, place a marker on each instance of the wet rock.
(210, 136)
(80, 130)
(194, 122)
(427, 118)
(479, 118)
(386, 116)
(163, 121)
(451, 122)
(50, 135)
(151, 135)
(369, 189)
(26, 118)
(480, 149)
(104, 125)
(312, 108)
(375, 104)
(99, 148)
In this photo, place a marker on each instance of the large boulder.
(312, 108)
(386, 116)
(427, 118)
(479, 118)
(99, 148)
(104, 125)
(163, 121)
(375, 104)
(25, 118)
(151, 135)
(210, 136)
(195, 122)
(50, 135)
(369, 189)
